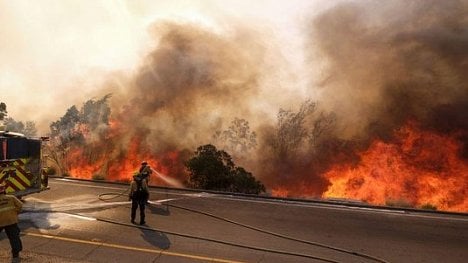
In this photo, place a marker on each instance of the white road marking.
(88, 218)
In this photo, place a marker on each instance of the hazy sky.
(55, 53)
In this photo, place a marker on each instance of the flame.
(280, 192)
(118, 159)
(419, 168)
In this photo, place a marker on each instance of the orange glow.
(279, 192)
(118, 159)
(418, 168)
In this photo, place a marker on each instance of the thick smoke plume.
(188, 84)
(390, 62)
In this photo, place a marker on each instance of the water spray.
(171, 181)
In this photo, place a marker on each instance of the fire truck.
(22, 163)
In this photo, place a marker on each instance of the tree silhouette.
(291, 131)
(9, 124)
(237, 138)
(213, 169)
(302, 129)
(3, 111)
(28, 128)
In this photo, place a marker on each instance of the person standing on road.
(10, 206)
(139, 196)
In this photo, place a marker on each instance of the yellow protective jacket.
(10, 206)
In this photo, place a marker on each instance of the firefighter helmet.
(144, 163)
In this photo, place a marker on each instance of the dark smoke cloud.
(391, 62)
(191, 82)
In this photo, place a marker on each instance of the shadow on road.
(162, 210)
(153, 237)
(156, 238)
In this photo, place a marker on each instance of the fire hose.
(117, 194)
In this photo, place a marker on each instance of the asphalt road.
(72, 223)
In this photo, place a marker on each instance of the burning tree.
(77, 128)
(213, 169)
(305, 129)
(290, 131)
(294, 149)
(89, 143)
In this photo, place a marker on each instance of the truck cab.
(22, 163)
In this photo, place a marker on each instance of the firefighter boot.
(15, 257)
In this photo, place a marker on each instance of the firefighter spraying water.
(140, 180)
(146, 171)
(139, 190)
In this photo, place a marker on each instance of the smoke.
(382, 65)
(390, 62)
(189, 84)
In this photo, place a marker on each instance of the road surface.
(81, 221)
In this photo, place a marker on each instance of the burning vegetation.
(390, 125)
(399, 92)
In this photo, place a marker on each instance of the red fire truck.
(22, 163)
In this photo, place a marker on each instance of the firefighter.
(145, 170)
(10, 206)
(139, 196)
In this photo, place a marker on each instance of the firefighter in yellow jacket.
(10, 206)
